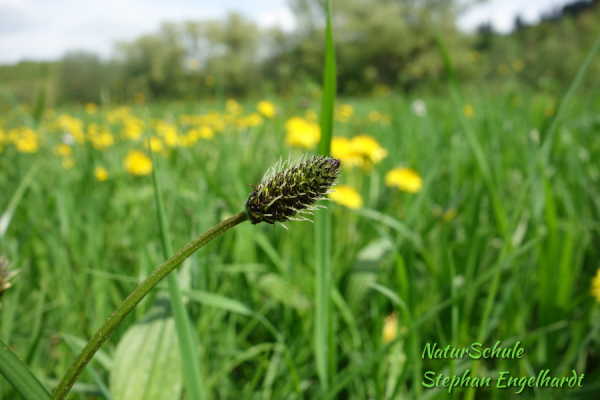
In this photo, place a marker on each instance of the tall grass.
(488, 250)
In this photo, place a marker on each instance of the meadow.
(456, 220)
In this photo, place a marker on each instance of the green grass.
(83, 245)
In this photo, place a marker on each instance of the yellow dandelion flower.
(468, 111)
(344, 112)
(155, 144)
(233, 107)
(91, 108)
(62, 150)
(266, 108)
(67, 163)
(404, 179)
(137, 163)
(101, 174)
(254, 119)
(26, 145)
(206, 132)
(102, 140)
(302, 133)
(596, 285)
(368, 147)
(390, 328)
(346, 196)
(341, 148)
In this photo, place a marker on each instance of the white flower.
(419, 108)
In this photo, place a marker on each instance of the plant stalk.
(135, 297)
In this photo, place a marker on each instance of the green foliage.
(431, 257)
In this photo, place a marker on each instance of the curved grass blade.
(20, 376)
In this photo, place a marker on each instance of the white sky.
(46, 29)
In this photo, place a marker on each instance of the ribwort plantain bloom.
(290, 189)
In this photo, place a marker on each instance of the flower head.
(302, 133)
(266, 108)
(101, 174)
(346, 196)
(137, 163)
(292, 188)
(404, 179)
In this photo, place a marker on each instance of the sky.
(46, 29)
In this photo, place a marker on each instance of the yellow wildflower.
(596, 285)
(67, 163)
(341, 148)
(233, 107)
(91, 108)
(25, 139)
(302, 133)
(206, 132)
(367, 147)
(139, 98)
(137, 163)
(101, 174)
(390, 328)
(102, 140)
(362, 150)
(254, 119)
(468, 111)
(344, 112)
(346, 196)
(404, 179)
(62, 150)
(266, 108)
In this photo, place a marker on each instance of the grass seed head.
(290, 189)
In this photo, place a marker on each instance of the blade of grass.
(187, 346)
(7, 215)
(20, 376)
(550, 132)
(324, 351)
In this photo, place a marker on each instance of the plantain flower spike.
(290, 189)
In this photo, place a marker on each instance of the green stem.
(135, 297)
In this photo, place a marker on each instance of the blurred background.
(107, 52)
